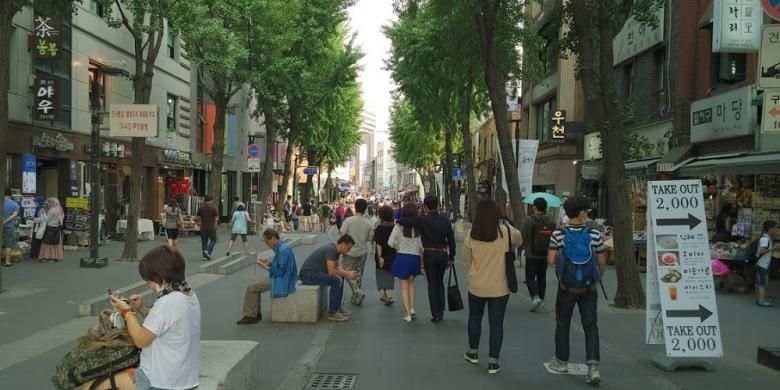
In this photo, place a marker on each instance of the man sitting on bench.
(322, 269)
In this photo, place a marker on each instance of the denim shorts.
(9, 238)
(762, 277)
(142, 381)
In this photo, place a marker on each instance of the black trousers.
(564, 309)
(536, 276)
(435, 265)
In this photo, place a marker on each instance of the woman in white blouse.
(408, 246)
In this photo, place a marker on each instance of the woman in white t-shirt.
(169, 337)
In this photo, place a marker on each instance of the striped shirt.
(596, 240)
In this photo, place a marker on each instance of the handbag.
(51, 236)
(509, 264)
(454, 300)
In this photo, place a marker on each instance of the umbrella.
(552, 200)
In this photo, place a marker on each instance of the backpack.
(540, 236)
(577, 266)
(752, 251)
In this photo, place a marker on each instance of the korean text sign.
(726, 115)
(133, 120)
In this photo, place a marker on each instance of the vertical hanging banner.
(45, 99)
(679, 246)
(28, 173)
(525, 159)
(47, 37)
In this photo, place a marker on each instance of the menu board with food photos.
(680, 289)
(76, 215)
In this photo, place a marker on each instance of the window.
(173, 102)
(170, 41)
(729, 68)
(59, 70)
(659, 57)
(544, 120)
(99, 89)
(551, 48)
(97, 9)
(628, 80)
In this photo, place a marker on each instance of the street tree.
(593, 25)
(414, 145)
(9, 9)
(145, 21)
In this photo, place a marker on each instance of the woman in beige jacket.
(484, 254)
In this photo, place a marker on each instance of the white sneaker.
(558, 366)
(535, 303)
(408, 318)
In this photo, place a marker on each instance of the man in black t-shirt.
(322, 268)
(306, 211)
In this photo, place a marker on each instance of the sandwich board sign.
(678, 245)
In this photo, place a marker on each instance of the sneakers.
(248, 321)
(763, 303)
(408, 318)
(412, 314)
(345, 312)
(558, 366)
(358, 300)
(206, 256)
(337, 317)
(493, 368)
(535, 303)
(593, 377)
(472, 358)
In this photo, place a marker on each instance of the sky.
(367, 17)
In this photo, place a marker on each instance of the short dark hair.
(769, 225)
(540, 204)
(209, 198)
(270, 233)
(486, 219)
(173, 203)
(361, 205)
(431, 202)
(346, 239)
(573, 206)
(8, 191)
(386, 214)
(163, 264)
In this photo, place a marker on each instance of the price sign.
(682, 278)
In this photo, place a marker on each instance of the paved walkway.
(376, 345)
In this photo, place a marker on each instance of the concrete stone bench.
(226, 365)
(307, 305)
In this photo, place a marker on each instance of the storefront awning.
(677, 157)
(635, 167)
(733, 164)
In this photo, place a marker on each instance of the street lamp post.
(94, 198)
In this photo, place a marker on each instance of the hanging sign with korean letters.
(721, 116)
(768, 75)
(636, 37)
(47, 37)
(558, 126)
(45, 99)
(133, 120)
(736, 26)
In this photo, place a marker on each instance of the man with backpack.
(764, 255)
(579, 254)
(536, 230)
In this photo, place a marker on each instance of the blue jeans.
(208, 238)
(142, 382)
(496, 310)
(326, 279)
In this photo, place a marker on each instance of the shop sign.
(58, 142)
(28, 173)
(46, 99)
(770, 120)
(47, 37)
(133, 120)
(635, 37)
(726, 115)
(111, 149)
(769, 56)
(592, 147)
(558, 125)
(681, 276)
(176, 156)
(28, 206)
(310, 171)
(772, 8)
(736, 26)
(591, 171)
(74, 178)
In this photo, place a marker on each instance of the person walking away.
(307, 227)
(360, 229)
(484, 252)
(406, 265)
(53, 219)
(324, 216)
(173, 220)
(283, 275)
(384, 255)
(579, 254)
(322, 268)
(240, 221)
(170, 335)
(39, 227)
(536, 230)
(295, 215)
(287, 213)
(209, 220)
(341, 212)
(10, 212)
(438, 240)
(765, 248)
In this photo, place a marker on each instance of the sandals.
(387, 301)
(48, 261)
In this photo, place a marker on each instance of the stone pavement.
(376, 345)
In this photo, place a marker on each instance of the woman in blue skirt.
(408, 246)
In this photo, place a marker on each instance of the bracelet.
(127, 312)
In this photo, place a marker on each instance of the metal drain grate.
(332, 381)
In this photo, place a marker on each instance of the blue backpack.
(577, 266)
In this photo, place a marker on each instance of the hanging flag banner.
(526, 150)
(28, 173)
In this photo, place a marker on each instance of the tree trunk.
(266, 177)
(600, 99)
(218, 147)
(307, 190)
(329, 186)
(451, 192)
(465, 128)
(496, 85)
(287, 170)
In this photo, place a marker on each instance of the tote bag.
(454, 299)
(509, 263)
